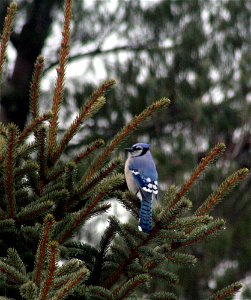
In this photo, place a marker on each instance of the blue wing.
(145, 184)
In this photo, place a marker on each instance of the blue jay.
(142, 179)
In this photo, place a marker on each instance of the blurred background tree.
(195, 52)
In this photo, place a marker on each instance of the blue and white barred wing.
(146, 184)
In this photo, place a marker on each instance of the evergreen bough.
(42, 205)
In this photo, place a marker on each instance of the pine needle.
(43, 246)
(33, 125)
(6, 33)
(224, 189)
(35, 83)
(210, 158)
(53, 252)
(126, 130)
(10, 159)
(96, 101)
(226, 292)
(58, 92)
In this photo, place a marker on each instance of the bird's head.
(138, 149)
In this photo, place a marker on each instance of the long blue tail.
(145, 221)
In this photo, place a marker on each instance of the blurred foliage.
(198, 54)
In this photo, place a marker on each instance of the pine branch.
(113, 277)
(171, 212)
(35, 84)
(12, 273)
(88, 150)
(126, 130)
(168, 277)
(33, 125)
(104, 244)
(70, 266)
(103, 173)
(227, 292)
(190, 222)
(58, 92)
(10, 159)
(163, 296)
(210, 158)
(100, 292)
(130, 201)
(133, 232)
(26, 149)
(103, 190)
(107, 237)
(181, 258)
(75, 280)
(53, 252)
(81, 251)
(41, 253)
(148, 253)
(14, 267)
(33, 210)
(200, 234)
(56, 172)
(83, 214)
(117, 254)
(57, 195)
(95, 102)
(29, 166)
(129, 240)
(29, 290)
(15, 261)
(6, 33)
(165, 234)
(3, 130)
(41, 140)
(6, 223)
(134, 253)
(224, 189)
(70, 170)
(2, 215)
(126, 288)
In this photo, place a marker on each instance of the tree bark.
(29, 44)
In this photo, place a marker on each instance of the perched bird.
(142, 179)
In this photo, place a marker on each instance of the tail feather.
(145, 221)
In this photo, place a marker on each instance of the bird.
(142, 180)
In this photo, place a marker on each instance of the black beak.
(128, 149)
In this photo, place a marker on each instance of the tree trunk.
(29, 44)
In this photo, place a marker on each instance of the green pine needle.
(29, 290)
(35, 209)
(73, 281)
(14, 260)
(6, 223)
(13, 274)
(168, 277)
(128, 287)
(163, 296)
(227, 292)
(125, 131)
(100, 292)
(224, 189)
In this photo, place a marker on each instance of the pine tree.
(45, 201)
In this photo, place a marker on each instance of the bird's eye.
(137, 148)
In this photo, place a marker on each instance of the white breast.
(129, 178)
